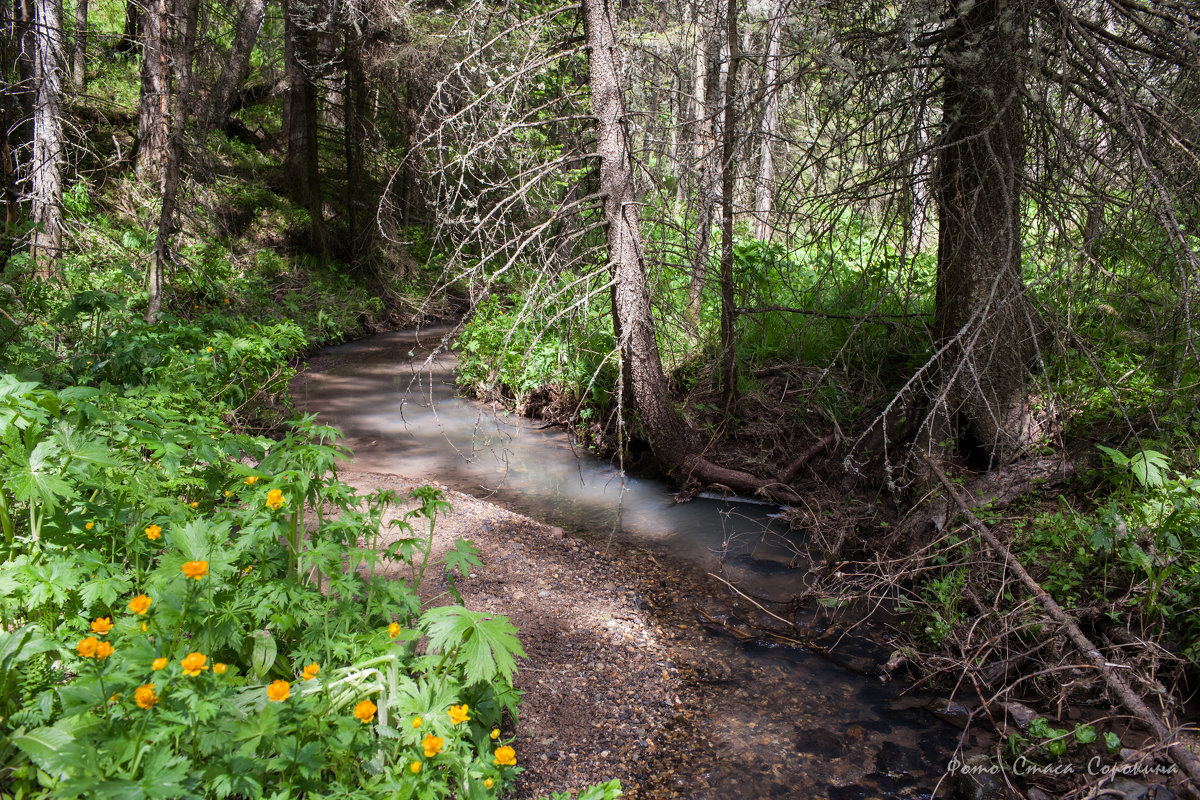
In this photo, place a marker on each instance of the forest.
(925, 275)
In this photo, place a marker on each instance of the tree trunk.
(674, 445)
(764, 185)
(79, 55)
(45, 176)
(728, 380)
(237, 66)
(301, 164)
(703, 146)
(153, 125)
(132, 32)
(982, 312)
(177, 38)
(354, 119)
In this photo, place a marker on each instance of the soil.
(604, 697)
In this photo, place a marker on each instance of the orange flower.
(102, 625)
(158, 663)
(153, 532)
(505, 757)
(104, 650)
(275, 499)
(417, 722)
(394, 630)
(140, 604)
(193, 663)
(195, 569)
(194, 504)
(253, 479)
(432, 744)
(145, 696)
(458, 714)
(365, 711)
(219, 668)
(414, 767)
(87, 647)
(89, 526)
(279, 691)
(310, 671)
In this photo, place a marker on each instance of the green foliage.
(519, 350)
(1138, 553)
(227, 564)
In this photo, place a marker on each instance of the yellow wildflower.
(104, 650)
(87, 647)
(208, 349)
(153, 532)
(458, 714)
(394, 630)
(432, 744)
(195, 569)
(488, 783)
(417, 722)
(228, 493)
(145, 696)
(414, 767)
(253, 479)
(365, 711)
(89, 526)
(194, 504)
(140, 604)
(275, 499)
(193, 663)
(310, 671)
(505, 757)
(102, 625)
(158, 663)
(279, 691)
(219, 668)
(495, 734)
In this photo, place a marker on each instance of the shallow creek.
(788, 723)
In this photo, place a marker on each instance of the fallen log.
(1181, 755)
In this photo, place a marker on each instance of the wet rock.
(894, 759)
(1020, 713)
(949, 711)
(557, 533)
(979, 778)
(1132, 790)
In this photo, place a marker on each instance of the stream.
(789, 722)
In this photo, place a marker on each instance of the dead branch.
(1182, 756)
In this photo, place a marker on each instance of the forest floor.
(603, 695)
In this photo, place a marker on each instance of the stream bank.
(625, 677)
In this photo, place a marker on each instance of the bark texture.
(301, 164)
(45, 175)
(981, 309)
(764, 185)
(237, 66)
(728, 380)
(79, 55)
(153, 125)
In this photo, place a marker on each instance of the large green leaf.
(485, 644)
(53, 750)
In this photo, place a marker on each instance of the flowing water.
(792, 724)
